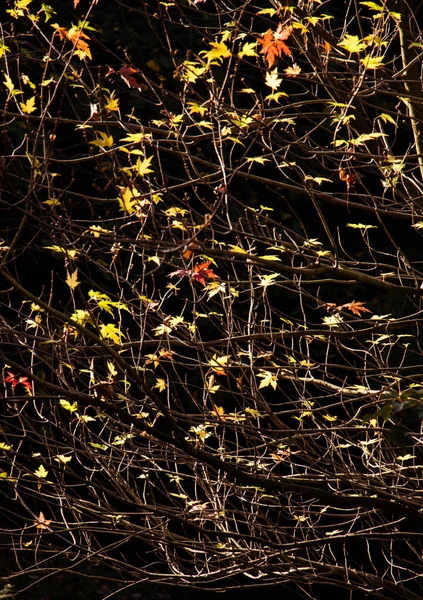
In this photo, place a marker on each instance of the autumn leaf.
(273, 44)
(218, 52)
(160, 384)
(128, 75)
(143, 167)
(28, 107)
(77, 37)
(41, 472)
(293, 71)
(218, 411)
(111, 332)
(372, 62)
(248, 49)
(268, 378)
(272, 79)
(112, 102)
(42, 522)
(349, 178)
(104, 141)
(218, 364)
(14, 381)
(201, 272)
(355, 307)
(72, 279)
(128, 201)
(352, 44)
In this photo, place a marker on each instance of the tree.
(212, 284)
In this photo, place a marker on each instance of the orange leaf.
(349, 178)
(42, 522)
(273, 44)
(355, 307)
(201, 271)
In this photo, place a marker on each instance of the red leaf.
(201, 271)
(11, 379)
(127, 74)
(26, 383)
(22, 380)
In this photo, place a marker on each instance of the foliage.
(211, 294)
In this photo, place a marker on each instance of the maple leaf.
(355, 307)
(28, 107)
(218, 364)
(42, 522)
(272, 79)
(76, 36)
(72, 279)
(273, 44)
(352, 44)
(127, 74)
(218, 411)
(41, 472)
(11, 379)
(26, 383)
(143, 167)
(179, 273)
(201, 271)
(111, 332)
(349, 178)
(160, 384)
(293, 71)
(268, 378)
(218, 52)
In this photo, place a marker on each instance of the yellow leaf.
(162, 329)
(352, 44)
(143, 167)
(268, 378)
(41, 472)
(248, 49)
(375, 62)
(28, 107)
(72, 279)
(63, 459)
(129, 199)
(388, 119)
(105, 141)
(112, 103)
(111, 332)
(160, 384)
(257, 159)
(8, 83)
(219, 51)
(194, 107)
(135, 138)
